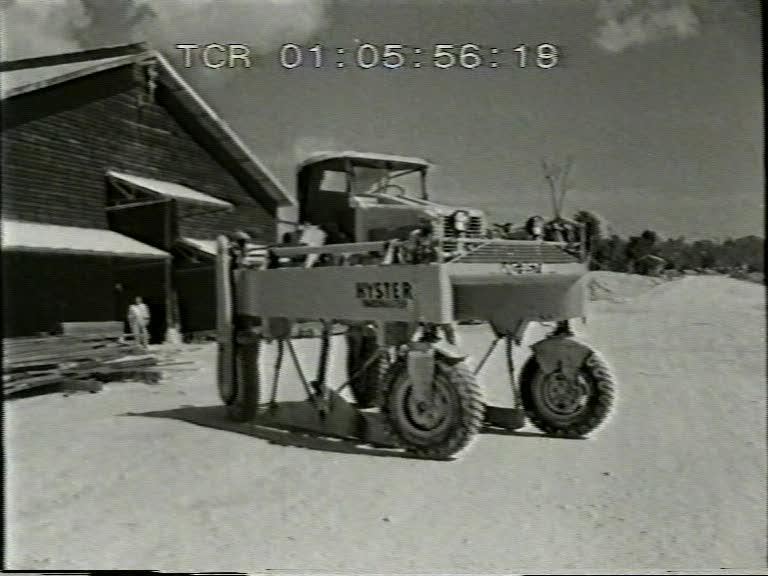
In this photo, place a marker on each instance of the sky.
(659, 103)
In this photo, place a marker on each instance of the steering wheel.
(382, 190)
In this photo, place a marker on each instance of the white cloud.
(31, 28)
(261, 24)
(627, 23)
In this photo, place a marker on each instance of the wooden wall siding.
(58, 143)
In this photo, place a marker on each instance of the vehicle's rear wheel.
(365, 387)
(563, 406)
(439, 426)
(241, 396)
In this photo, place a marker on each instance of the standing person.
(422, 244)
(138, 319)
(535, 227)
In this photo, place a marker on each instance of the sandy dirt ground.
(675, 480)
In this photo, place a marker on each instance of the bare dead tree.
(557, 178)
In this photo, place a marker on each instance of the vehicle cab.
(360, 197)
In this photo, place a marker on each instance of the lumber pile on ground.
(80, 358)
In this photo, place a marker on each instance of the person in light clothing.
(138, 319)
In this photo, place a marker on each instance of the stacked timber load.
(83, 356)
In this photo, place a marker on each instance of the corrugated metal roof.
(33, 236)
(170, 189)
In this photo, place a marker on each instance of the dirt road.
(675, 480)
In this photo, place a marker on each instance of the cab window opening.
(368, 181)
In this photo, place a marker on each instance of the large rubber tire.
(581, 412)
(460, 410)
(243, 403)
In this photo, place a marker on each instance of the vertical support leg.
(487, 355)
(382, 360)
(300, 372)
(325, 346)
(321, 392)
(510, 341)
(509, 418)
(276, 377)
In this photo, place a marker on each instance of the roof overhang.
(29, 74)
(211, 121)
(52, 238)
(128, 183)
(207, 247)
(21, 81)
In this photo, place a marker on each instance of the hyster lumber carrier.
(396, 272)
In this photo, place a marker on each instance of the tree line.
(731, 256)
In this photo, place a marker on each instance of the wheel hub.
(563, 395)
(426, 413)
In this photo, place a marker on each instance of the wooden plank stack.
(82, 353)
(107, 329)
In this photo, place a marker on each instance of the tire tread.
(605, 389)
(245, 404)
(471, 412)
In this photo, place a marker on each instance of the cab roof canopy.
(338, 161)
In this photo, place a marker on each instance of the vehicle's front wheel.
(441, 424)
(565, 406)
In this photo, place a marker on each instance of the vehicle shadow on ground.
(216, 417)
(286, 435)
(503, 432)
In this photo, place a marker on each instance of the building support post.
(172, 332)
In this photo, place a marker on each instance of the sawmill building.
(116, 179)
